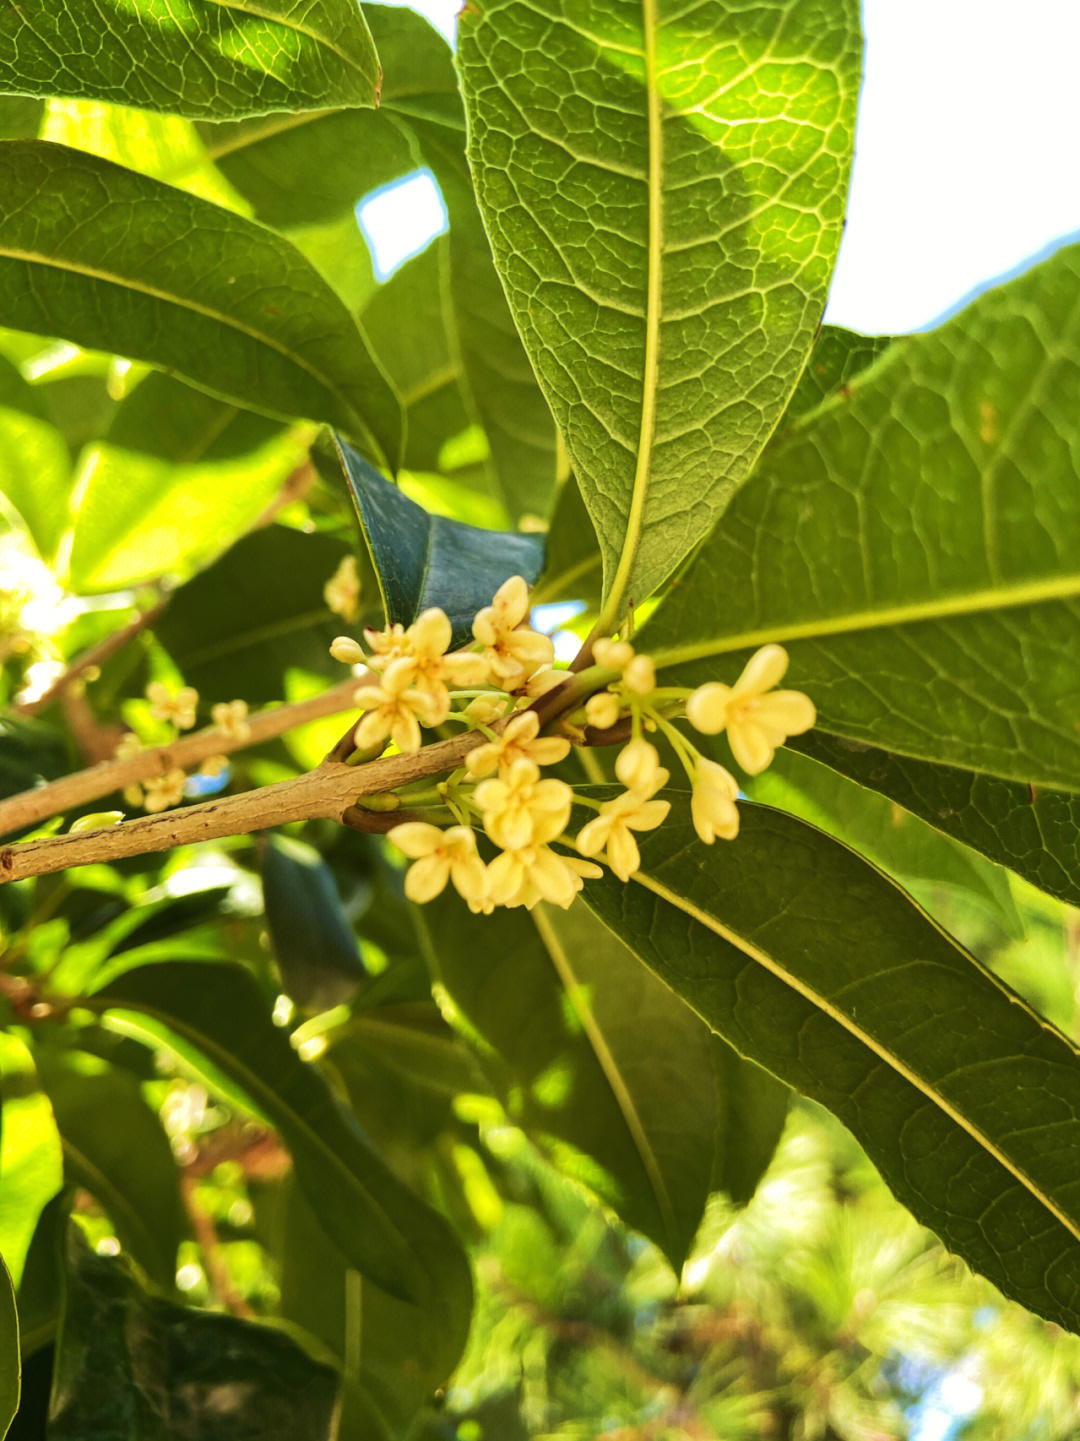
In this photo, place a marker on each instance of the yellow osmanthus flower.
(613, 654)
(127, 746)
(347, 650)
(638, 767)
(394, 710)
(520, 809)
(542, 681)
(520, 740)
(757, 717)
(164, 792)
(513, 650)
(612, 830)
(342, 590)
(231, 718)
(639, 677)
(712, 802)
(602, 710)
(422, 657)
(439, 856)
(178, 708)
(536, 873)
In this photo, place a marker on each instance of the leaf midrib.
(808, 993)
(1031, 592)
(31, 257)
(651, 369)
(619, 1090)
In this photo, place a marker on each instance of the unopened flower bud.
(602, 710)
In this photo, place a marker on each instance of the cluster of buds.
(178, 710)
(500, 792)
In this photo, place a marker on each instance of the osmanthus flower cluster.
(178, 710)
(490, 686)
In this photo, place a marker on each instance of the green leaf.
(837, 358)
(20, 117)
(31, 753)
(573, 569)
(382, 1229)
(114, 260)
(752, 1107)
(664, 190)
(596, 1059)
(1035, 832)
(921, 859)
(234, 629)
(35, 463)
(410, 323)
(177, 477)
(425, 560)
(10, 1362)
(115, 1148)
(809, 961)
(196, 58)
(920, 537)
(130, 1364)
(511, 406)
(31, 1164)
(312, 941)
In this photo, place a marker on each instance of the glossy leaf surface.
(382, 1229)
(116, 261)
(312, 940)
(920, 535)
(197, 57)
(425, 560)
(664, 190)
(809, 961)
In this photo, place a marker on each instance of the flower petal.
(763, 670)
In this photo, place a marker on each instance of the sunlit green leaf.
(425, 560)
(31, 1164)
(920, 536)
(10, 1364)
(196, 57)
(664, 190)
(113, 260)
(35, 463)
(809, 961)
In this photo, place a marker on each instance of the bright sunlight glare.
(967, 159)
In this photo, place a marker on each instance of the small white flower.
(712, 802)
(439, 856)
(230, 717)
(179, 708)
(757, 717)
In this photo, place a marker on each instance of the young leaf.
(313, 943)
(10, 1363)
(234, 629)
(116, 261)
(1033, 831)
(115, 1148)
(425, 560)
(921, 535)
(597, 1059)
(201, 58)
(129, 1363)
(35, 463)
(664, 190)
(811, 962)
(381, 1228)
(31, 1164)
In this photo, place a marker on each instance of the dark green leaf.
(425, 560)
(920, 537)
(814, 964)
(596, 1059)
(410, 324)
(379, 1225)
(129, 1364)
(40, 1290)
(114, 260)
(313, 943)
(1035, 832)
(206, 59)
(664, 191)
(10, 1363)
(115, 1148)
(35, 463)
(31, 753)
(234, 629)
(574, 564)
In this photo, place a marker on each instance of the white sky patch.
(967, 157)
(400, 219)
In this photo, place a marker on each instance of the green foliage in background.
(778, 1138)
